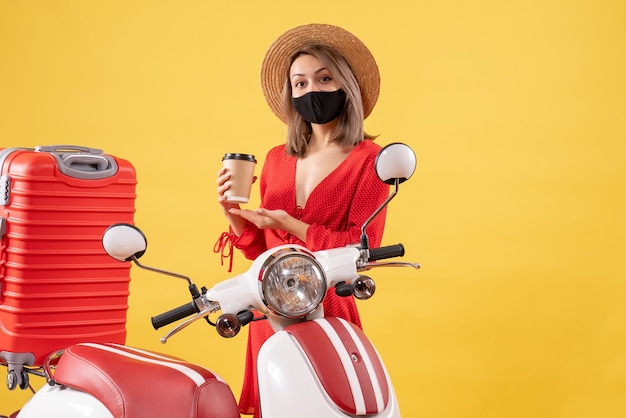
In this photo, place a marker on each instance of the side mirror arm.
(364, 239)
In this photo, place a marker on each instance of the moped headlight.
(293, 284)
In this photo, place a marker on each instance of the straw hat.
(275, 65)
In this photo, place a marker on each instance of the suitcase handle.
(86, 166)
(81, 162)
(67, 148)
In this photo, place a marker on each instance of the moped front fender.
(323, 368)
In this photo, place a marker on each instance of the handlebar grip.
(174, 315)
(388, 251)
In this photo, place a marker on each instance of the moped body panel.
(323, 368)
(63, 402)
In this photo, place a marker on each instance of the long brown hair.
(349, 131)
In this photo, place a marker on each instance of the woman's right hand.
(237, 223)
(222, 185)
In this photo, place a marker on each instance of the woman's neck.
(322, 136)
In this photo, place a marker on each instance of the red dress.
(335, 210)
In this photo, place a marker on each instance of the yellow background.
(517, 211)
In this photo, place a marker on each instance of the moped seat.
(134, 383)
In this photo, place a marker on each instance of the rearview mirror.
(124, 242)
(395, 161)
(394, 164)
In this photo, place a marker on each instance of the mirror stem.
(364, 239)
(180, 276)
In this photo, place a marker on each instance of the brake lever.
(209, 309)
(369, 266)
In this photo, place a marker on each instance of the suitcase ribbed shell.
(57, 285)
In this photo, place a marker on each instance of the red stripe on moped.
(346, 364)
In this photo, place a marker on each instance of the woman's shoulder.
(277, 150)
(276, 153)
(368, 147)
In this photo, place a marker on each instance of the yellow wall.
(517, 210)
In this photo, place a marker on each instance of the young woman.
(318, 188)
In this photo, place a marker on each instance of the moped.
(312, 366)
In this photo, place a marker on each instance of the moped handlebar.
(388, 251)
(174, 315)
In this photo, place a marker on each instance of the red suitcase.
(57, 285)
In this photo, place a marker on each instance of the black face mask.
(320, 106)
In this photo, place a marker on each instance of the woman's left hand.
(263, 218)
(273, 219)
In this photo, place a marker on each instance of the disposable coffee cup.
(241, 170)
